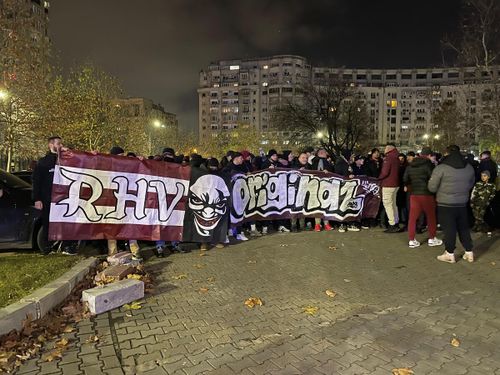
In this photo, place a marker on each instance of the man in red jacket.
(389, 180)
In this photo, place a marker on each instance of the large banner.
(116, 197)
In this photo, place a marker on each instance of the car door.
(15, 211)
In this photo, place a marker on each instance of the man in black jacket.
(415, 179)
(487, 164)
(42, 180)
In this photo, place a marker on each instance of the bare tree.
(330, 110)
(478, 44)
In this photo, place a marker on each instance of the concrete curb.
(42, 300)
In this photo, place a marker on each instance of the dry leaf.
(57, 353)
(41, 338)
(180, 276)
(92, 338)
(493, 263)
(311, 310)
(347, 280)
(62, 343)
(134, 276)
(253, 301)
(133, 306)
(203, 290)
(330, 293)
(252, 261)
(402, 371)
(455, 342)
(69, 329)
(333, 247)
(211, 279)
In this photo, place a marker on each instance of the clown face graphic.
(208, 202)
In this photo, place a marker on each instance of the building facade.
(400, 102)
(144, 108)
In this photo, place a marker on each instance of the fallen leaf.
(211, 279)
(347, 280)
(333, 247)
(253, 301)
(330, 293)
(128, 315)
(493, 263)
(455, 342)
(402, 371)
(62, 343)
(41, 338)
(69, 329)
(203, 290)
(252, 261)
(311, 310)
(133, 306)
(92, 338)
(180, 276)
(53, 355)
(134, 276)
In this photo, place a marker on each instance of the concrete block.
(123, 257)
(110, 296)
(12, 316)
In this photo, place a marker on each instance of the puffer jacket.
(452, 181)
(417, 175)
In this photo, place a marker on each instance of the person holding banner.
(321, 163)
(42, 180)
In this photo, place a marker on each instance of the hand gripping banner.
(117, 197)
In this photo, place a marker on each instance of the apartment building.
(400, 102)
(144, 108)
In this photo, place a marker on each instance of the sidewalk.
(395, 307)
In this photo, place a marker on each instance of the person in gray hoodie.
(452, 182)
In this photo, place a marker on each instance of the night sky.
(157, 47)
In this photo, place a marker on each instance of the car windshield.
(12, 181)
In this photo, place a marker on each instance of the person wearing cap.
(452, 181)
(481, 197)
(415, 179)
(272, 160)
(168, 155)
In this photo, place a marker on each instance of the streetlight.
(436, 137)
(426, 136)
(319, 134)
(157, 123)
(3, 94)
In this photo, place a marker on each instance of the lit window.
(265, 67)
(235, 85)
(216, 85)
(392, 103)
(234, 67)
(265, 84)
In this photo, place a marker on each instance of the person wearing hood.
(320, 162)
(415, 179)
(481, 197)
(389, 181)
(487, 164)
(452, 181)
(272, 160)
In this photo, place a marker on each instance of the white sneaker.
(434, 242)
(283, 229)
(413, 244)
(264, 231)
(226, 240)
(446, 257)
(353, 228)
(468, 256)
(241, 237)
(342, 228)
(230, 233)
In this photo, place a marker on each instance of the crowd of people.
(418, 191)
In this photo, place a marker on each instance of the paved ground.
(394, 307)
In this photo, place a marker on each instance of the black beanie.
(116, 150)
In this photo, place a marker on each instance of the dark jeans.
(455, 220)
(47, 245)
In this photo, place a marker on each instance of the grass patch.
(21, 274)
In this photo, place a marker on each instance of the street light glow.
(157, 123)
(3, 94)
(436, 136)
(426, 136)
(319, 135)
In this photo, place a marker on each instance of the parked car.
(20, 223)
(24, 175)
